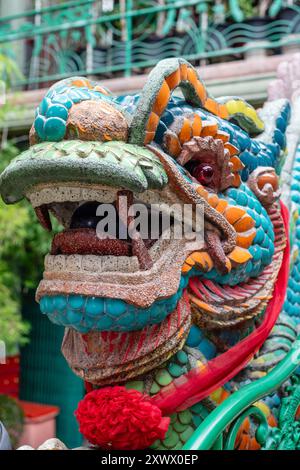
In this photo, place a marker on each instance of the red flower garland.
(117, 418)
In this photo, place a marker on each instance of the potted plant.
(13, 334)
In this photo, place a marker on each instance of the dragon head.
(128, 301)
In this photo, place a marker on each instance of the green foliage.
(248, 7)
(241, 10)
(12, 416)
(9, 70)
(23, 245)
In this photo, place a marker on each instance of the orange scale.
(173, 145)
(272, 421)
(162, 99)
(222, 136)
(186, 268)
(173, 79)
(149, 136)
(203, 305)
(99, 88)
(244, 224)
(237, 165)
(233, 150)
(212, 106)
(228, 266)
(152, 122)
(201, 91)
(81, 83)
(213, 200)
(223, 112)
(192, 76)
(183, 71)
(245, 239)
(190, 261)
(203, 259)
(209, 128)
(197, 125)
(222, 204)
(197, 256)
(236, 181)
(233, 214)
(202, 192)
(239, 255)
(185, 133)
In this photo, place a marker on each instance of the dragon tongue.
(139, 249)
(216, 251)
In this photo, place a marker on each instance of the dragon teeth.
(101, 264)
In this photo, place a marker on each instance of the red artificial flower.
(117, 418)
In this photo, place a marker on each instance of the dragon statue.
(180, 344)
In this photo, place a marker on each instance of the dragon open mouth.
(116, 267)
(142, 275)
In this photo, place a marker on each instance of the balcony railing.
(79, 38)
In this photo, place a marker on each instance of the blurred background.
(236, 45)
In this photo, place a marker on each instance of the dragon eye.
(203, 173)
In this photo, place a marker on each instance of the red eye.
(203, 173)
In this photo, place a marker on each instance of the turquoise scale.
(102, 314)
(292, 302)
(52, 114)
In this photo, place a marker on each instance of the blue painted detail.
(241, 198)
(195, 337)
(94, 306)
(182, 357)
(46, 102)
(74, 317)
(57, 110)
(54, 128)
(207, 348)
(39, 124)
(75, 301)
(59, 302)
(279, 138)
(63, 99)
(84, 313)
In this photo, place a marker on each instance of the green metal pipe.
(49, 9)
(101, 19)
(149, 63)
(128, 44)
(210, 429)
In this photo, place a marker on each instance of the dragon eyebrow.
(163, 80)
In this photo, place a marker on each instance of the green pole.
(211, 428)
(128, 45)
